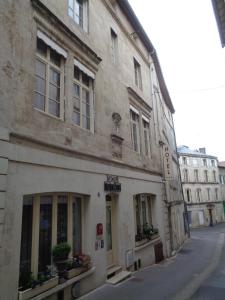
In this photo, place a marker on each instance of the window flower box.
(30, 293)
(74, 272)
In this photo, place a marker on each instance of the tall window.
(135, 131)
(48, 77)
(184, 160)
(196, 175)
(137, 74)
(204, 162)
(82, 99)
(198, 195)
(185, 175)
(208, 194)
(212, 162)
(206, 176)
(216, 194)
(114, 47)
(195, 162)
(146, 134)
(77, 10)
(214, 176)
(143, 206)
(48, 220)
(188, 194)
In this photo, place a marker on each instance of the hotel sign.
(167, 162)
(112, 184)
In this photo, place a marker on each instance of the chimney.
(202, 150)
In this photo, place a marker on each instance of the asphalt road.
(179, 277)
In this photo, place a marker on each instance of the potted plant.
(31, 287)
(60, 254)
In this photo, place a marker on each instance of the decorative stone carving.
(116, 122)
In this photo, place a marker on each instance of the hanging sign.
(167, 161)
(112, 184)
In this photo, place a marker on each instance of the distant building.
(201, 188)
(219, 11)
(221, 166)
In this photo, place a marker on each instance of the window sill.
(48, 115)
(146, 243)
(64, 285)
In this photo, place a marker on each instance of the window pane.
(55, 57)
(45, 233)
(26, 238)
(146, 142)
(85, 79)
(76, 73)
(39, 101)
(76, 104)
(144, 217)
(135, 137)
(86, 123)
(76, 118)
(40, 69)
(41, 47)
(54, 77)
(71, 4)
(62, 219)
(70, 12)
(54, 108)
(76, 225)
(54, 92)
(40, 85)
(76, 90)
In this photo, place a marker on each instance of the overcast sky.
(185, 36)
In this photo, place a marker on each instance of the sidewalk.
(175, 277)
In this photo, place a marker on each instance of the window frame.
(90, 90)
(48, 66)
(36, 224)
(137, 74)
(136, 145)
(146, 136)
(83, 18)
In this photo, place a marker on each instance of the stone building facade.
(85, 133)
(201, 188)
(221, 166)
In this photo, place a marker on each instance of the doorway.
(201, 217)
(110, 230)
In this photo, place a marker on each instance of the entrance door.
(201, 217)
(109, 231)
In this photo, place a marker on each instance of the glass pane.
(53, 108)
(45, 233)
(40, 69)
(146, 142)
(85, 79)
(144, 217)
(76, 225)
(41, 47)
(76, 104)
(85, 96)
(76, 90)
(39, 101)
(62, 219)
(26, 240)
(71, 4)
(54, 92)
(55, 57)
(76, 118)
(70, 12)
(54, 77)
(108, 228)
(86, 122)
(40, 85)
(135, 137)
(76, 73)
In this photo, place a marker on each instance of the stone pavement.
(176, 278)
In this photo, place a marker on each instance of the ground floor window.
(144, 217)
(48, 220)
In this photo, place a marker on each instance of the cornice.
(139, 99)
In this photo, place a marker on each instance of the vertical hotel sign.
(167, 161)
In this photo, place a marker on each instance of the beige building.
(87, 146)
(221, 166)
(201, 188)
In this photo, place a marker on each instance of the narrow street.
(200, 263)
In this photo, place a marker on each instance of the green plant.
(61, 251)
